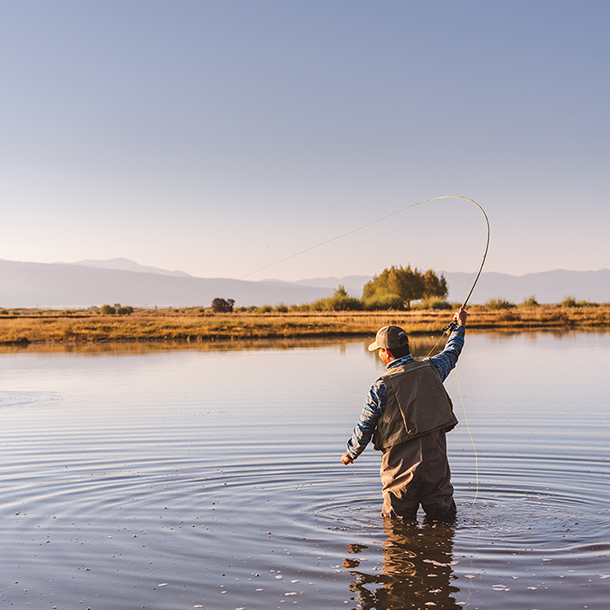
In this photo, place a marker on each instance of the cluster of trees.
(122, 310)
(400, 286)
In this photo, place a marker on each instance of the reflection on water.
(209, 476)
(417, 569)
(420, 344)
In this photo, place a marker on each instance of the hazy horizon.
(270, 278)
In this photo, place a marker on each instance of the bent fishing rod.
(447, 330)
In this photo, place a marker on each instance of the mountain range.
(95, 282)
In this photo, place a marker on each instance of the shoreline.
(26, 326)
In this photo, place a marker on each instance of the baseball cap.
(389, 337)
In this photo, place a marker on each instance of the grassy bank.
(45, 326)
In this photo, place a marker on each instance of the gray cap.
(389, 337)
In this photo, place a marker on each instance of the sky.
(218, 137)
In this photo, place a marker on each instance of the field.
(191, 324)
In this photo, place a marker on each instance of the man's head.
(391, 340)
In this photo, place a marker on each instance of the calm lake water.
(210, 477)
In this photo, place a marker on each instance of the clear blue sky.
(216, 137)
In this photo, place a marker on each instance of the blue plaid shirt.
(376, 400)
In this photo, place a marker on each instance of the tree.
(222, 305)
(407, 284)
(434, 286)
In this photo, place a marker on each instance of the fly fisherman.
(407, 413)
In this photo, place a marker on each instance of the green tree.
(223, 305)
(408, 284)
(434, 286)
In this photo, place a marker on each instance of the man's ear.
(389, 353)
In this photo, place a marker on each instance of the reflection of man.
(407, 413)
(416, 573)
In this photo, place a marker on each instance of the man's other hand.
(346, 459)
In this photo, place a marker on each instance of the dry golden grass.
(39, 326)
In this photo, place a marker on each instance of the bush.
(383, 302)
(499, 304)
(264, 309)
(572, 302)
(281, 308)
(530, 302)
(339, 301)
(106, 310)
(249, 309)
(432, 303)
(125, 310)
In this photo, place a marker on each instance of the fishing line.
(360, 480)
(476, 457)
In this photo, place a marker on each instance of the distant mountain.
(93, 283)
(61, 285)
(124, 264)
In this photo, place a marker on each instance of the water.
(210, 477)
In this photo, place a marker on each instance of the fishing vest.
(417, 403)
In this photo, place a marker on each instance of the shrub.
(572, 302)
(530, 302)
(281, 308)
(432, 303)
(125, 310)
(383, 302)
(499, 304)
(249, 309)
(319, 305)
(106, 310)
(264, 309)
(339, 301)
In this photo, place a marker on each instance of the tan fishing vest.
(417, 403)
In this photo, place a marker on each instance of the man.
(407, 413)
